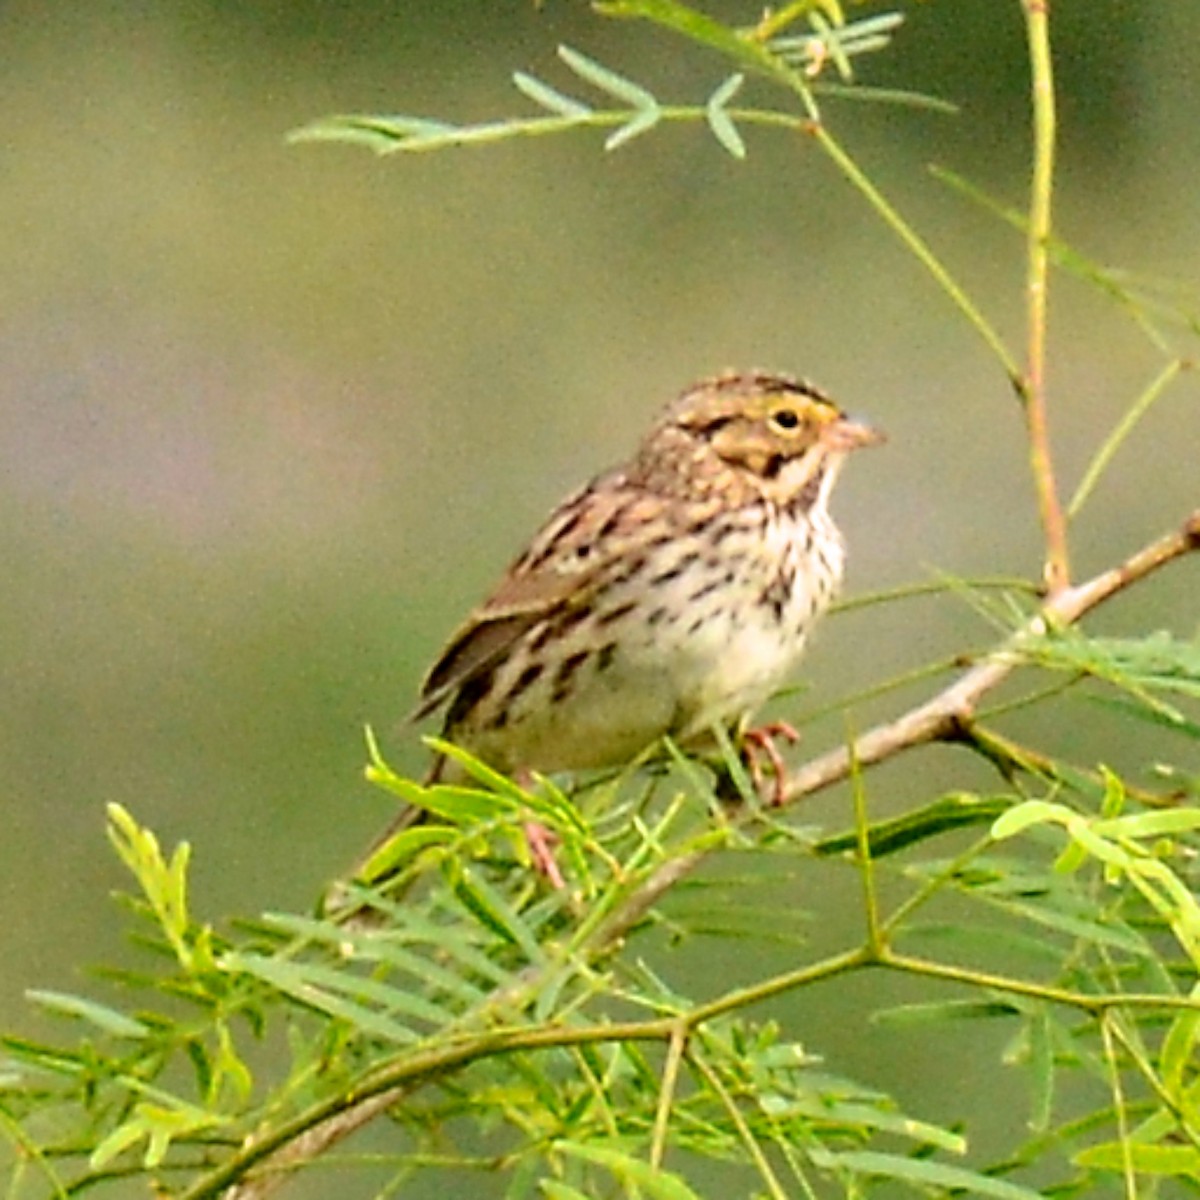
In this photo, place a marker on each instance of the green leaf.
(1084, 928)
(121, 1138)
(1151, 824)
(548, 97)
(492, 780)
(1173, 720)
(608, 81)
(923, 1172)
(1049, 900)
(1178, 1050)
(463, 805)
(698, 27)
(228, 1067)
(52, 1059)
(377, 133)
(655, 1182)
(719, 120)
(401, 848)
(1146, 1160)
(957, 810)
(1157, 662)
(407, 927)
(100, 1015)
(815, 1105)
(326, 990)
(560, 1191)
(1025, 816)
(490, 907)
(642, 123)
(990, 938)
(163, 884)
(1041, 1067)
(936, 1012)
(158, 1125)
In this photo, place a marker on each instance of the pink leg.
(541, 843)
(762, 741)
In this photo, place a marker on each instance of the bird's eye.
(785, 418)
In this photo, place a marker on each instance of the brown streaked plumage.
(668, 595)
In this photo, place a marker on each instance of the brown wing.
(564, 564)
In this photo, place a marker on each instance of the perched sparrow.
(670, 594)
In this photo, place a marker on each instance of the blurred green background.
(272, 417)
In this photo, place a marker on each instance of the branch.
(940, 718)
(266, 1162)
(943, 717)
(1010, 758)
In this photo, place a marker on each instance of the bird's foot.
(758, 744)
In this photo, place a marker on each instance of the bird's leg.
(541, 842)
(761, 741)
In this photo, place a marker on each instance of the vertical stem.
(866, 864)
(1108, 1027)
(666, 1093)
(1033, 391)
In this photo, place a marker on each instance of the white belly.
(689, 656)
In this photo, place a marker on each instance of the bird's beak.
(846, 433)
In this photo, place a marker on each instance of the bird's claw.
(761, 741)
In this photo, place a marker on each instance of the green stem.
(936, 587)
(1032, 388)
(386, 1085)
(866, 864)
(1010, 757)
(1120, 1107)
(917, 247)
(745, 1133)
(1124, 427)
(933, 885)
(1095, 1004)
(774, 23)
(666, 1093)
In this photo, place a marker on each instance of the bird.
(672, 593)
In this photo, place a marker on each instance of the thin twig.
(866, 864)
(666, 1093)
(917, 246)
(1120, 1106)
(1172, 1099)
(1010, 757)
(267, 1160)
(1033, 387)
(1124, 427)
(938, 718)
(745, 1133)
